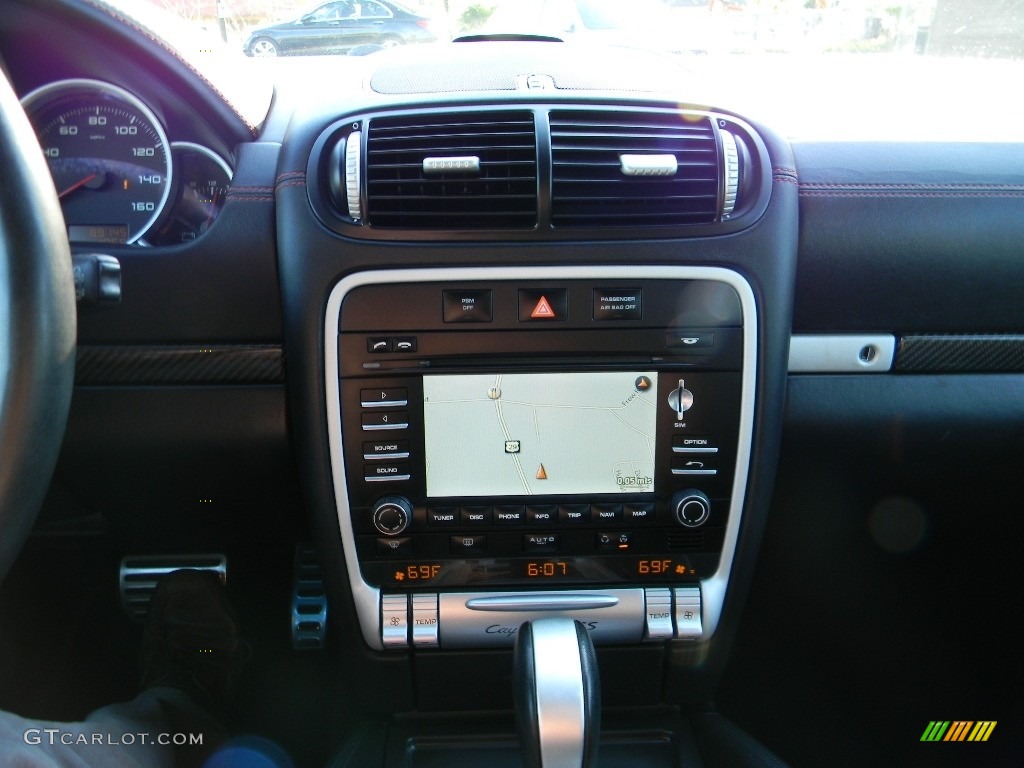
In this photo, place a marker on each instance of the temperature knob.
(391, 515)
(691, 508)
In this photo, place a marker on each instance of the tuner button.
(391, 515)
(691, 508)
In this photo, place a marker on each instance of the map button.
(642, 512)
(574, 513)
(468, 544)
(476, 516)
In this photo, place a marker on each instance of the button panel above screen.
(529, 430)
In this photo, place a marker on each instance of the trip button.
(467, 306)
(540, 543)
(574, 513)
(468, 544)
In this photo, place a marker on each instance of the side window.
(371, 9)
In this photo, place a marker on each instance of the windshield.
(813, 69)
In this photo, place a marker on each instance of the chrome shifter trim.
(543, 601)
(561, 712)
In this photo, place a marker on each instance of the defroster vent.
(633, 168)
(452, 171)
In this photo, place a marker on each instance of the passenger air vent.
(452, 171)
(633, 168)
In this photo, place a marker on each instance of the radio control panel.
(579, 430)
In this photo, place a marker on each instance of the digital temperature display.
(417, 572)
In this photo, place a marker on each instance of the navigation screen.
(535, 434)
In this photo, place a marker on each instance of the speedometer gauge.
(109, 157)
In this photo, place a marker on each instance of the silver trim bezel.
(713, 587)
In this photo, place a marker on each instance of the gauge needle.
(213, 209)
(81, 183)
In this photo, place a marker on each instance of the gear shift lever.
(557, 694)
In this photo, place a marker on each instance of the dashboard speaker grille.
(596, 181)
(452, 171)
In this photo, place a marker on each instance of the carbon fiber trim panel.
(133, 365)
(960, 354)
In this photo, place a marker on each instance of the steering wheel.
(37, 327)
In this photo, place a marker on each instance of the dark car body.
(339, 27)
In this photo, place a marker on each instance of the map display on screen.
(529, 434)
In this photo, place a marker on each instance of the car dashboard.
(500, 330)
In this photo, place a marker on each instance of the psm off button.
(618, 304)
(467, 306)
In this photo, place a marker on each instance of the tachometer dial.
(109, 157)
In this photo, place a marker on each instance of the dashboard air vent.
(452, 171)
(633, 168)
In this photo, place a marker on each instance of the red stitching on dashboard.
(291, 175)
(937, 194)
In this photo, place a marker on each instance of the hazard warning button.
(543, 305)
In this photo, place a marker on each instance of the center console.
(511, 444)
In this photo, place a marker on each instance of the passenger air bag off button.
(618, 304)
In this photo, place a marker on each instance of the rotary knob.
(691, 508)
(391, 515)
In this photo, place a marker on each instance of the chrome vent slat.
(503, 194)
(588, 185)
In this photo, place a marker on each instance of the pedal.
(139, 575)
(309, 602)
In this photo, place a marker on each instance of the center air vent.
(633, 168)
(452, 171)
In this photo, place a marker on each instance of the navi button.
(606, 513)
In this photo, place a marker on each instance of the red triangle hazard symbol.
(543, 309)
